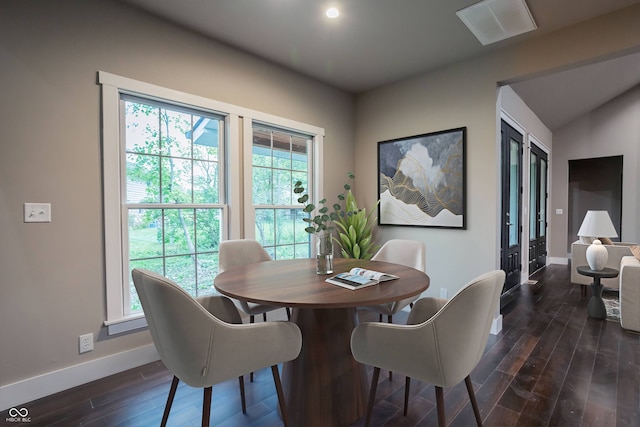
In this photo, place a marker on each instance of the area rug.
(611, 298)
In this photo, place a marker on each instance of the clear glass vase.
(324, 253)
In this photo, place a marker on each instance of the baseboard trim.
(496, 325)
(558, 260)
(49, 383)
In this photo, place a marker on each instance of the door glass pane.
(533, 195)
(514, 191)
(543, 196)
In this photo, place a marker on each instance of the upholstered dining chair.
(411, 253)
(233, 253)
(441, 343)
(201, 349)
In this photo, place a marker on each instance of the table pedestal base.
(596, 307)
(325, 386)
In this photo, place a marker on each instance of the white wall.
(611, 130)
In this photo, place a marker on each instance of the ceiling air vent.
(494, 20)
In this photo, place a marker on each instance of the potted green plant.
(354, 225)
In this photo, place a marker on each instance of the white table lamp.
(596, 224)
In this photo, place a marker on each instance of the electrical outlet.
(86, 342)
(37, 212)
(443, 292)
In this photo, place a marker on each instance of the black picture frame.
(422, 180)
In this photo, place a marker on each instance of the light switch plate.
(37, 212)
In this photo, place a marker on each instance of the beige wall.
(52, 282)
(611, 130)
(465, 94)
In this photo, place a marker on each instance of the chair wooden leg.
(280, 393)
(474, 402)
(167, 407)
(252, 319)
(407, 386)
(206, 407)
(390, 320)
(288, 313)
(264, 317)
(440, 404)
(372, 395)
(242, 399)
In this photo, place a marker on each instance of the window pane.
(285, 227)
(262, 186)
(145, 233)
(262, 148)
(281, 150)
(265, 231)
(176, 180)
(205, 182)
(514, 191)
(206, 134)
(142, 132)
(533, 194)
(303, 250)
(208, 229)
(178, 231)
(285, 252)
(299, 157)
(143, 179)
(283, 188)
(300, 235)
(174, 128)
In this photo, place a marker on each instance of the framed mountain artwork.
(422, 180)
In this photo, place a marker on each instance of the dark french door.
(511, 228)
(538, 174)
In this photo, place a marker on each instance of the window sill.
(126, 324)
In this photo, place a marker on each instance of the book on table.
(358, 278)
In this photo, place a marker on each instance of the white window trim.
(112, 86)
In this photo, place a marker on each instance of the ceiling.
(376, 42)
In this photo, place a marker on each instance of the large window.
(279, 159)
(176, 183)
(174, 199)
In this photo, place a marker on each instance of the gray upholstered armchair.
(411, 253)
(233, 253)
(441, 343)
(201, 349)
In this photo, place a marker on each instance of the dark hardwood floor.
(550, 366)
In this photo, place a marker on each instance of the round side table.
(596, 306)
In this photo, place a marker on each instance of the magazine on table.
(358, 278)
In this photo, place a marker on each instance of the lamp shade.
(597, 224)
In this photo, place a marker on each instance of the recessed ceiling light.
(332, 13)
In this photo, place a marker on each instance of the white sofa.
(630, 293)
(579, 257)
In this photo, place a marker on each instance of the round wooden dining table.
(324, 386)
